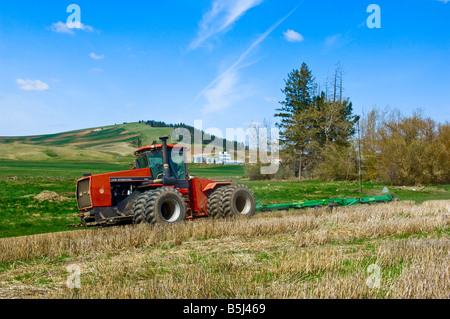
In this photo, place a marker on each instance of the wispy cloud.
(225, 92)
(96, 57)
(32, 85)
(61, 27)
(221, 95)
(219, 19)
(332, 40)
(337, 41)
(222, 90)
(293, 36)
(445, 1)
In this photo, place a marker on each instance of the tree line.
(405, 149)
(320, 137)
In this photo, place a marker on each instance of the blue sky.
(222, 62)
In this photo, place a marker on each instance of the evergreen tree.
(294, 122)
(311, 123)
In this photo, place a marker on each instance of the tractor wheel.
(237, 200)
(139, 207)
(213, 205)
(165, 205)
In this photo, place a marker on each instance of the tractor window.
(156, 163)
(154, 160)
(176, 159)
(142, 160)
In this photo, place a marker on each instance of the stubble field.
(397, 250)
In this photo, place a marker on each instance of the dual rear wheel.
(167, 205)
(231, 201)
(162, 205)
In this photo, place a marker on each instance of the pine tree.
(293, 114)
(311, 122)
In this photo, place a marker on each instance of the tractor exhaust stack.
(167, 179)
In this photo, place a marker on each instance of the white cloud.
(292, 36)
(61, 27)
(445, 1)
(222, 15)
(96, 57)
(32, 85)
(96, 70)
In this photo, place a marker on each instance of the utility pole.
(359, 149)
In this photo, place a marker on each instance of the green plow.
(330, 203)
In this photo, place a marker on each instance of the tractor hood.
(95, 190)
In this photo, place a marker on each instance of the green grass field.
(21, 214)
(20, 182)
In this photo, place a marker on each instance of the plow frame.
(330, 202)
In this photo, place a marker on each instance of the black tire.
(165, 205)
(139, 207)
(237, 200)
(213, 206)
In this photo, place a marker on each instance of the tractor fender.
(214, 185)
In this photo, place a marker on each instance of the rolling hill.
(113, 144)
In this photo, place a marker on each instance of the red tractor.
(158, 190)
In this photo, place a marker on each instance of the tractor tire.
(139, 207)
(165, 205)
(237, 200)
(213, 205)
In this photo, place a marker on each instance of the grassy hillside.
(94, 136)
(110, 144)
(27, 152)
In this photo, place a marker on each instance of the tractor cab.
(152, 157)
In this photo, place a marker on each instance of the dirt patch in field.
(50, 196)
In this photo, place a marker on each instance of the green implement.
(331, 202)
